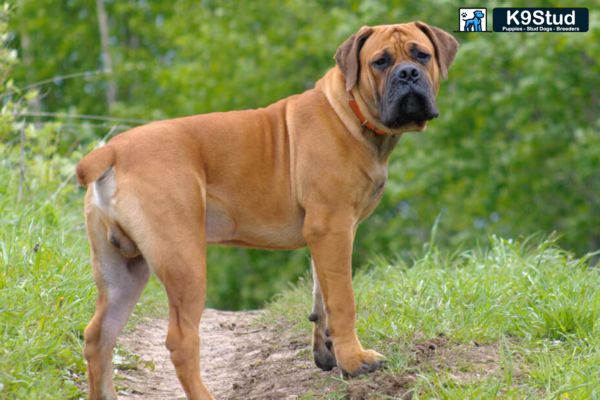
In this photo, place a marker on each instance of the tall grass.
(46, 291)
(533, 303)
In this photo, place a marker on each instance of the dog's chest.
(369, 197)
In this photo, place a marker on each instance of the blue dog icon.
(474, 24)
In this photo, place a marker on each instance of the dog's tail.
(95, 164)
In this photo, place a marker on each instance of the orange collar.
(363, 121)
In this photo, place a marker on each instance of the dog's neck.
(384, 144)
(338, 98)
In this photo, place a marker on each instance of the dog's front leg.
(330, 237)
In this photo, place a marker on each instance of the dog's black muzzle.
(408, 97)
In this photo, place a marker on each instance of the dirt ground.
(240, 359)
(245, 359)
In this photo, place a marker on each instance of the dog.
(474, 24)
(304, 171)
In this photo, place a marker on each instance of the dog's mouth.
(414, 107)
(407, 105)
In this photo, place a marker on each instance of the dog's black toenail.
(374, 366)
(327, 332)
(313, 317)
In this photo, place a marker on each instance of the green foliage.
(533, 302)
(514, 152)
(46, 294)
(46, 298)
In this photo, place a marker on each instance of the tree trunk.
(35, 103)
(111, 85)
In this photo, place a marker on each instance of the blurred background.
(514, 153)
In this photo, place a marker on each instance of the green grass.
(534, 308)
(46, 291)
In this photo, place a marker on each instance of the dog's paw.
(361, 363)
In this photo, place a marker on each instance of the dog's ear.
(445, 46)
(347, 55)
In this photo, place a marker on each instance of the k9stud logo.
(541, 19)
(472, 19)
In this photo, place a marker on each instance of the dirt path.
(244, 359)
(241, 359)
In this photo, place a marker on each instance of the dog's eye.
(382, 62)
(422, 56)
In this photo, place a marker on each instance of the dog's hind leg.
(120, 281)
(174, 245)
(183, 274)
(182, 270)
(321, 343)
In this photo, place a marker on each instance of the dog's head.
(478, 14)
(396, 70)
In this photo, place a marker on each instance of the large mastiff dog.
(304, 171)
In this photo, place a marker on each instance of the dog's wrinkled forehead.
(396, 39)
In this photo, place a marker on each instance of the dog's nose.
(408, 73)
